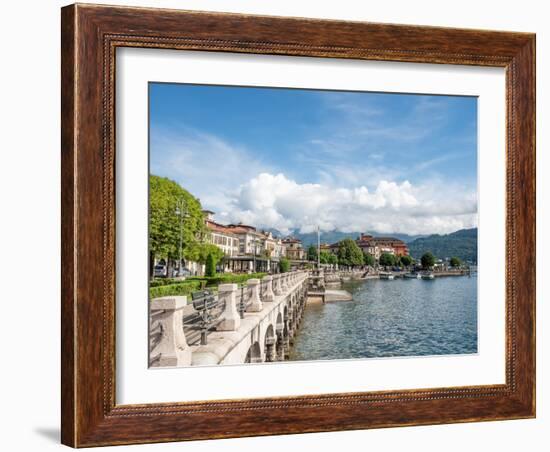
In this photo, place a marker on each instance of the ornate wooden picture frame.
(90, 37)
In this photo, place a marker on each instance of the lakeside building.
(245, 248)
(274, 247)
(333, 248)
(368, 245)
(223, 238)
(376, 246)
(294, 249)
(398, 246)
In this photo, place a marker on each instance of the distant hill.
(462, 244)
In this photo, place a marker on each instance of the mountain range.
(336, 236)
(462, 243)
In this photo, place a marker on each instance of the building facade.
(376, 246)
(397, 247)
(368, 244)
(245, 248)
(294, 249)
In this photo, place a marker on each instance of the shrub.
(284, 265)
(210, 266)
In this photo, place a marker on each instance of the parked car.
(159, 271)
(181, 273)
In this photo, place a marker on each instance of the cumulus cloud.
(275, 201)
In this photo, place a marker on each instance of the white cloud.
(275, 201)
(207, 166)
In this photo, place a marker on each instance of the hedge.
(227, 278)
(164, 282)
(182, 288)
(167, 287)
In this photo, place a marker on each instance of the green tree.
(328, 258)
(210, 266)
(166, 201)
(387, 259)
(284, 265)
(312, 253)
(427, 260)
(349, 253)
(455, 262)
(369, 259)
(406, 261)
(199, 252)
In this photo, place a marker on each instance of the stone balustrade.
(274, 308)
(268, 295)
(255, 304)
(231, 319)
(167, 344)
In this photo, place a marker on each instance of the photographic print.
(302, 225)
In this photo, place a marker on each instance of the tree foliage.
(349, 253)
(312, 253)
(406, 260)
(369, 259)
(387, 259)
(284, 265)
(199, 252)
(455, 262)
(165, 199)
(427, 260)
(328, 258)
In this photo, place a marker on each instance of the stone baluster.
(277, 288)
(231, 318)
(268, 296)
(167, 344)
(255, 304)
(284, 284)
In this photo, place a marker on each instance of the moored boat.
(412, 275)
(386, 275)
(427, 276)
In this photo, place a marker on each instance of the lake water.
(403, 317)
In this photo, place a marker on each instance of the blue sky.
(295, 159)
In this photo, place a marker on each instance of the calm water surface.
(403, 317)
